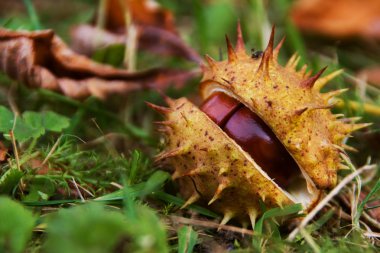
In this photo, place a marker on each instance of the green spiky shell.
(212, 168)
(290, 103)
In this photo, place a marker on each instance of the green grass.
(90, 185)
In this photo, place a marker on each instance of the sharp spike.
(240, 45)
(327, 96)
(252, 213)
(267, 55)
(194, 172)
(223, 170)
(351, 119)
(355, 127)
(308, 74)
(291, 60)
(170, 153)
(193, 198)
(295, 63)
(218, 192)
(323, 107)
(309, 83)
(339, 115)
(211, 62)
(339, 148)
(349, 148)
(303, 70)
(343, 167)
(269, 49)
(320, 83)
(226, 218)
(231, 52)
(276, 51)
(159, 109)
(176, 175)
(300, 111)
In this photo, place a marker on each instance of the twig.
(210, 224)
(326, 199)
(85, 190)
(11, 134)
(131, 41)
(118, 186)
(51, 151)
(102, 14)
(76, 187)
(11, 101)
(372, 234)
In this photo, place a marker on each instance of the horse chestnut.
(264, 135)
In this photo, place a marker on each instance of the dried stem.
(326, 200)
(210, 224)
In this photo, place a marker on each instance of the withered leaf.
(155, 30)
(3, 152)
(143, 12)
(42, 59)
(338, 18)
(86, 39)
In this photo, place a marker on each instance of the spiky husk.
(290, 103)
(211, 167)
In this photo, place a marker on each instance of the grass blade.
(276, 212)
(32, 14)
(187, 239)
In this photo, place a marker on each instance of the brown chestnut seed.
(220, 107)
(252, 135)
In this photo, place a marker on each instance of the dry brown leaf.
(338, 18)
(86, 39)
(155, 30)
(3, 152)
(42, 59)
(143, 12)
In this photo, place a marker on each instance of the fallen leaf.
(3, 152)
(143, 12)
(86, 39)
(155, 30)
(41, 59)
(338, 18)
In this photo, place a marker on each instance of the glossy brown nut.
(220, 107)
(252, 135)
(257, 139)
